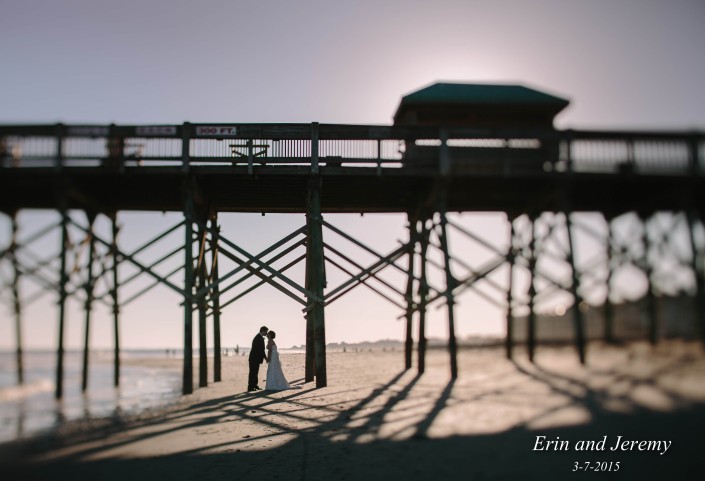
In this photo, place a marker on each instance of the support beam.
(275, 258)
(261, 283)
(389, 259)
(257, 260)
(201, 303)
(609, 307)
(575, 290)
(409, 341)
(215, 297)
(63, 279)
(310, 370)
(130, 258)
(364, 273)
(318, 280)
(450, 286)
(266, 267)
(423, 296)
(652, 318)
(364, 282)
(519, 260)
(116, 305)
(531, 321)
(16, 299)
(698, 266)
(89, 302)
(187, 383)
(154, 283)
(509, 341)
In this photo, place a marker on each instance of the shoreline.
(372, 402)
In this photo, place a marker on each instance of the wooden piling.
(531, 321)
(698, 266)
(317, 280)
(201, 303)
(609, 307)
(215, 297)
(450, 286)
(187, 383)
(509, 340)
(409, 341)
(423, 298)
(16, 299)
(88, 288)
(698, 257)
(116, 305)
(63, 279)
(652, 318)
(310, 369)
(575, 290)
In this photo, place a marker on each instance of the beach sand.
(377, 421)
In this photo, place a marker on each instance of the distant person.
(257, 355)
(275, 376)
(116, 153)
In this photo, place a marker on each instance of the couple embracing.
(275, 376)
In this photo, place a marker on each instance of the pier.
(511, 163)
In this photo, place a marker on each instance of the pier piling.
(17, 304)
(215, 297)
(409, 341)
(88, 307)
(114, 295)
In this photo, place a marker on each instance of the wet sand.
(377, 421)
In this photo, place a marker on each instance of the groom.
(256, 357)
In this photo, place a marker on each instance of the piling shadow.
(346, 443)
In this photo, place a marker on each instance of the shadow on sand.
(380, 435)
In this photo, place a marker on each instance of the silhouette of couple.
(275, 376)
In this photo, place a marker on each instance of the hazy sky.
(623, 64)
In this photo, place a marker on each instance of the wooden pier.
(533, 175)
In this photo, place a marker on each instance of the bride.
(275, 377)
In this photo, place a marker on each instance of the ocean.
(31, 408)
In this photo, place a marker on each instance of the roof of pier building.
(479, 106)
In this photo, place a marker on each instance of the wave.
(16, 393)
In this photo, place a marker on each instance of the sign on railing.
(452, 151)
(215, 131)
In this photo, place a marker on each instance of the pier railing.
(461, 151)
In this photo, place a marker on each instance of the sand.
(377, 421)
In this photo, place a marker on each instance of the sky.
(632, 64)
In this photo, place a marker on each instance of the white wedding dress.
(275, 376)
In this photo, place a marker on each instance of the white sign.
(156, 130)
(216, 130)
(88, 131)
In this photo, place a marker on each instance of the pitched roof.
(487, 94)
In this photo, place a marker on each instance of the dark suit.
(257, 356)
